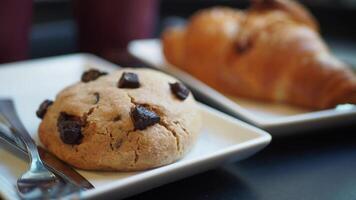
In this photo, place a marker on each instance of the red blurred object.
(15, 24)
(105, 27)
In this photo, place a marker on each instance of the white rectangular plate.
(278, 119)
(222, 139)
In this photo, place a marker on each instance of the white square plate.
(278, 119)
(222, 139)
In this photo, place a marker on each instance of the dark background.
(54, 31)
(310, 165)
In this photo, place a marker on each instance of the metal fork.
(38, 182)
(68, 187)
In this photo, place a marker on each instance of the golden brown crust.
(294, 9)
(271, 52)
(173, 38)
(110, 141)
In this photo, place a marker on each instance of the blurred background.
(41, 28)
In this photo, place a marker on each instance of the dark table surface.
(312, 165)
(320, 164)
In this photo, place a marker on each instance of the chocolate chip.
(143, 117)
(70, 128)
(129, 80)
(43, 108)
(179, 90)
(92, 75)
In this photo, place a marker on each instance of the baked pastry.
(132, 119)
(271, 52)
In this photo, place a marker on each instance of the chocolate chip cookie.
(132, 119)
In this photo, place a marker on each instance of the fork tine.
(55, 190)
(59, 191)
(72, 193)
(36, 192)
(65, 190)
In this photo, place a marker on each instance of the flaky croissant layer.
(270, 52)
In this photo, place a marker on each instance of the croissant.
(271, 52)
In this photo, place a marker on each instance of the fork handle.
(8, 110)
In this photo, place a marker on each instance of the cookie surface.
(108, 137)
